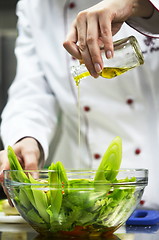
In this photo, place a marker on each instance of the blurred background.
(8, 35)
(7, 42)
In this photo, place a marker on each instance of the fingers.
(4, 164)
(28, 153)
(97, 28)
(93, 44)
(105, 27)
(82, 45)
(86, 41)
(97, 24)
(70, 43)
(90, 27)
(31, 160)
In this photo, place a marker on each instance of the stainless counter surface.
(25, 232)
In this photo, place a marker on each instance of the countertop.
(23, 231)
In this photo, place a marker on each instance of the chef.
(41, 118)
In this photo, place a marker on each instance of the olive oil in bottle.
(107, 72)
(110, 72)
(127, 55)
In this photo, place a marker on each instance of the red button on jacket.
(86, 108)
(97, 156)
(72, 5)
(137, 151)
(129, 101)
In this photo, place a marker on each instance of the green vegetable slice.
(111, 161)
(57, 181)
(36, 198)
(15, 165)
(19, 176)
(40, 198)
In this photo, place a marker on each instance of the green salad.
(59, 203)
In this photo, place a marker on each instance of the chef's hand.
(28, 152)
(96, 25)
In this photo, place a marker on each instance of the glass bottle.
(127, 55)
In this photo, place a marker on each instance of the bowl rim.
(82, 170)
(143, 181)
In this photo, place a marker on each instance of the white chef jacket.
(43, 99)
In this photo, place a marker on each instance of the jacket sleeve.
(147, 26)
(32, 109)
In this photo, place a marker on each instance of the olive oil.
(79, 123)
(111, 72)
(107, 72)
(80, 76)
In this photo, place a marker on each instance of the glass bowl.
(79, 206)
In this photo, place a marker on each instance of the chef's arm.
(32, 109)
(103, 20)
(147, 25)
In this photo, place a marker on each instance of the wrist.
(41, 158)
(142, 8)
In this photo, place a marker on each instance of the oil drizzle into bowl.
(107, 72)
(79, 124)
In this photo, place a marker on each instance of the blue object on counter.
(143, 217)
(142, 229)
